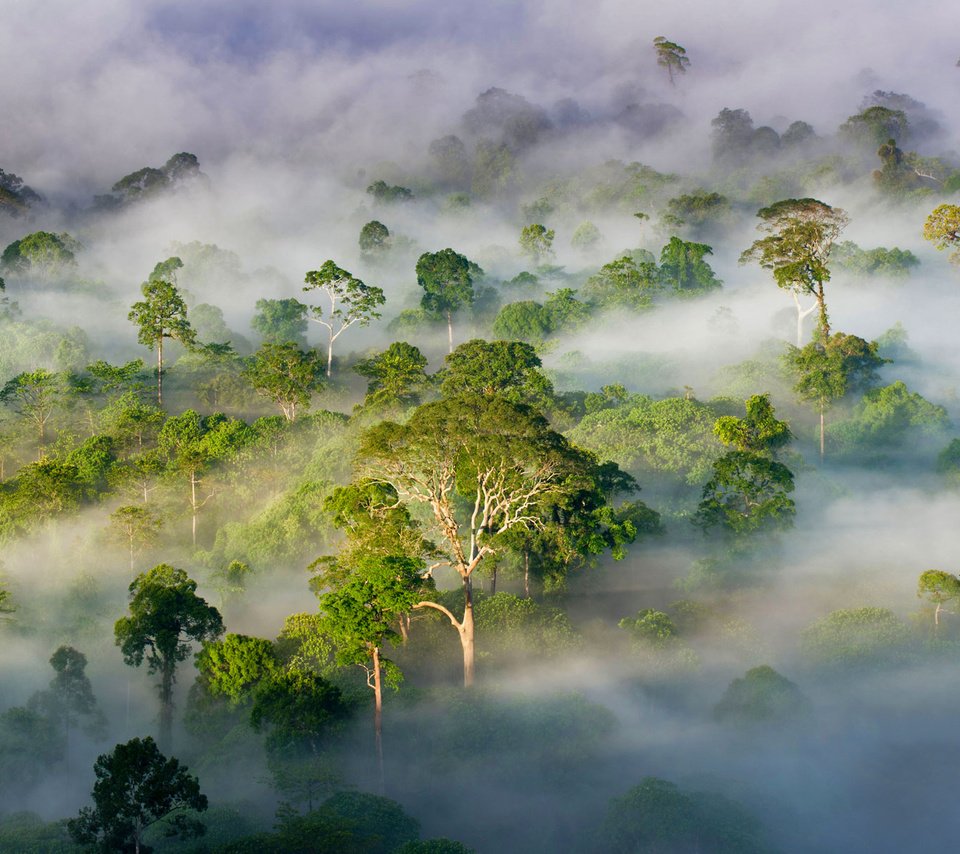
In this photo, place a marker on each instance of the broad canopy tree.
(800, 234)
(166, 616)
(447, 282)
(483, 467)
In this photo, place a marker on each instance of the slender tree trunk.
(378, 715)
(166, 709)
(467, 633)
(160, 371)
(526, 573)
(936, 615)
(330, 355)
(822, 447)
(824, 319)
(193, 504)
(450, 331)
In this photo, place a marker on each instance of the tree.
(939, 587)
(351, 301)
(281, 321)
(942, 229)
(671, 56)
(136, 526)
(41, 254)
(386, 194)
(800, 234)
(761, 696)
(825, 371)
(481, 466)
(759, 432)
(508, 369)
(855, 637)
(447, 281)
(34, 396)
(682, 267)
(397, 376)
(747, 493)
(161, 314)
(536, 242)
(585, 237)
(166, 615)
(361, 613)
(624, 283)
(374, 239)
(286, 375)
(874, 125)
(524, 320)
(137, 787)
(656, 816)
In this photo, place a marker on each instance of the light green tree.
(671, 57)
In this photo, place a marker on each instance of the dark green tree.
(672, 57)
(137, 787)
(447, 281)
(762, 696)
(374, 240)
(396, 377)
(166, 616)
(682, 267)
(759, 432)
(42, 255)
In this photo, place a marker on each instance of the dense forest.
(465, 454)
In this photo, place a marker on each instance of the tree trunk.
(936, 615)
(450, 331)
(466, 633)
(160, 372)
(821, 432)
(330, 355)
(166, 708)
(193, 505)
(378, 715)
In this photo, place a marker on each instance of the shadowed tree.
(397, 376)
(166, 616)
(800, 234)
(137, 787)
(351, 301)
(446, 279)
(136, 526)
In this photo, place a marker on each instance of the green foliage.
(435, 846)
(874, 126)
(586, 236)
(137, 787)
(374, 817)
(856, 637)
(27, 833)
(536, 241)
(762, 696)
(682, 267)
(34, 396)
(278, 321)
(624, 283)
(70, 697)
(386, 194)
(508, 369)
(374, 239)
(759, 432)
(650, 628)
(447, 281)
(41, 255)
(658, 816)
(509, 625)
(161, 314)
(938, 587)
(866, 263)
(699, 211)
(888, 416)
(525, 320)
(746, 495)
(942, 229)
(671, 57)
(234, 666)
(493, 169)
(397, 376)
(286, 375)
(31, 743)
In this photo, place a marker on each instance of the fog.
(293, 110)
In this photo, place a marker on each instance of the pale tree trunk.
(450, 331)
(936, 615)
(330, 354)
(467, 634)
(193, 505)
(802, 314)
(378, 715)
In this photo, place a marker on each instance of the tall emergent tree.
(671, 56)
(351, 301)
(166, 615)
(800, 234)
(482, 466)
(286, 375)
(138, 787)
(447, 283)
(162, 313)
(362, 613)
(939, 587)
(942, 229)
